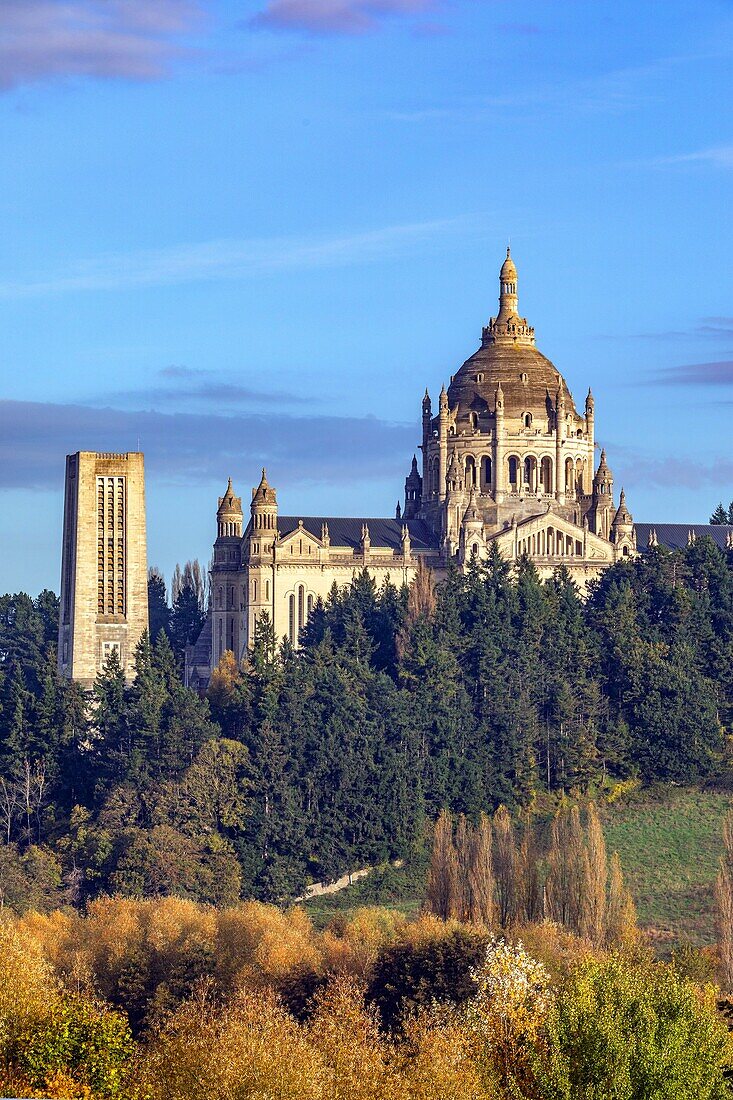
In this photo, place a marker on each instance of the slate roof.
(346, 531)
(674, 535)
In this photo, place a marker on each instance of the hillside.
(669, 841)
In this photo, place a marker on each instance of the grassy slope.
(669, 842)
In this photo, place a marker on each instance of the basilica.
(506, 459)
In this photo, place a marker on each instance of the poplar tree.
(481, 884)
(596, 884)
(505, 867)
(443, 894)
(724, 905)
(621, 927)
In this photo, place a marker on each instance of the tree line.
(165, 1000)
(494, 688)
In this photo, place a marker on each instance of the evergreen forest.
(492, 689)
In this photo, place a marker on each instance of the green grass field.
(669, 841)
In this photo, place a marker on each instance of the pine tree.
(112, 744)
(187, 617)
(159, 613)
(720, 515)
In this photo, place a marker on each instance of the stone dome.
(528, 378)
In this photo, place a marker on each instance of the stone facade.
(507, 460)
(104, 574)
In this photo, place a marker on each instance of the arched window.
(474, 549)
(291, 619)
(301, 608)
(528, 420)
(513, 473)
(310, 604)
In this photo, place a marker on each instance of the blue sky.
(250, 232)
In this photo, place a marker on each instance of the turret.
(442, 441)
(601, 509)
(227, 591)
(590, 431)
(229, 514)
(406, 544)
(472, 528)
(590, 406)
(264, 507)
(561, 487)
(413, 491)
(623, 533)
(366, 542)
(427, 420)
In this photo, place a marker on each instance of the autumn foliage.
(168, 999)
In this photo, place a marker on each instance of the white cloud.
(238, 259)
(44, 40)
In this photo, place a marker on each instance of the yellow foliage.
(250, 1048)
(558, 949)
(262, 941)
(351, 946)
(223, 680)
(28, 988)
(621, 789)
(436, 1061)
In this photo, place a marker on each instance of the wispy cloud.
(611, 92)
(635, 468)
(239, 259)
(184, 389)
(328, 17)
(185, 448)
(719, 156)
(44, 40)
(716, 328)
(696, 374)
